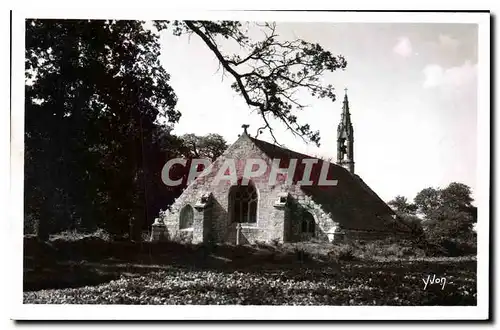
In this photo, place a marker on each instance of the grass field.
(120, 273)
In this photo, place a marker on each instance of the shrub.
(387, 248)
(67, 235)
(344, 252)
(450, 247)
(75, 235)
(413, 223)
(399, 250)
(102, 234)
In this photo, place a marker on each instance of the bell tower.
(345, 138)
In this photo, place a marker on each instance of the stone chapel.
(258, 209)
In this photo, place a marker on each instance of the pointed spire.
(346, 116)
(345, 138)
(346, 101)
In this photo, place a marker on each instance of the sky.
(412, 92)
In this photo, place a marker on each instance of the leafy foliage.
(428, 200)
(413, 222)
(94, 91)
(448, 214)
(209, 146)
(74, 235)
(400, 204)
(343, 252)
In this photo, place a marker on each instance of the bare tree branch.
(271, 71)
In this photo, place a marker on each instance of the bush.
(399, 250)
(102, 234)
(68, 235)
(343, 252)
(413, 223)
(75, 235)
(388, 248)
(450, 247)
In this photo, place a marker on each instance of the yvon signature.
(434, 280)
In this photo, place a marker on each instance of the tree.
(209, 146)
(448, 212)
(413, 223)
(448, 222)
(94, 91)
(457, 195)
(427, 201)
(269, 71)
(400, 204)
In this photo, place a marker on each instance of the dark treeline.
(440, 213)
(94, 147)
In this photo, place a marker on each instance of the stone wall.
(299, 203)
(216, 227)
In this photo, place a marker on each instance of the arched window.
(186, 217)
(243, 201)
(308, 225)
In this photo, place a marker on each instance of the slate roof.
(351, 201)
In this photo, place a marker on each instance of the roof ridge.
(289, 150)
